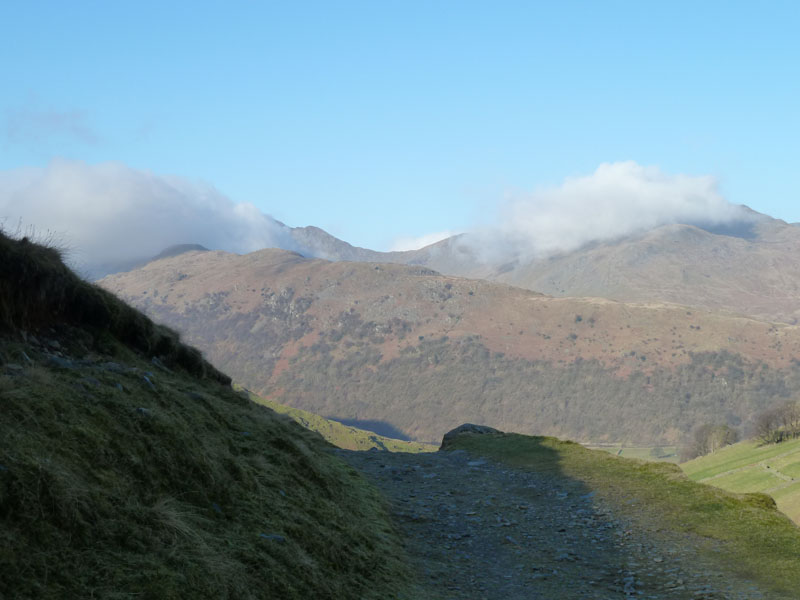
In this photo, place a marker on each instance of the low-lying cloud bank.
(617, 200)
(110, 215)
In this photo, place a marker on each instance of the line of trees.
(771, 426)
(708, 438)
(779, 423)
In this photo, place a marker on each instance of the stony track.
(475, 529)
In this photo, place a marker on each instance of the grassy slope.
(112, 488)
(747, 467)
(743, 532)
(343, 436)
(668, 453)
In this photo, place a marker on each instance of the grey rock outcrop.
(466, 429)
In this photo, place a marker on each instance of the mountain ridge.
(751, 266)
(422, 351)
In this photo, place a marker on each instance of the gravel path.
(476, 529)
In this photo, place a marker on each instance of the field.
(773, 469)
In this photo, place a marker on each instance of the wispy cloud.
(415, 243)
(111, 214)
(33, 125)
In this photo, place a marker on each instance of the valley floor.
(475, 529)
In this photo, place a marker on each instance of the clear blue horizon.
(383, 120)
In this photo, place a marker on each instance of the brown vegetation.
(426, 352)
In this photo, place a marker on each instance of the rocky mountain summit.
(749, 266)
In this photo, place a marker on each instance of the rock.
(465, 429)
(60, 363)
(14, 367)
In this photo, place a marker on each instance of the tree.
(779, 423)
(708, 438)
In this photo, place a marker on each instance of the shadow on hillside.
(383, 428)
(739, 229)
(572, 514)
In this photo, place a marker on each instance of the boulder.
(466, 429)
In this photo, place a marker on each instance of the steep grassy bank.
(129, 468)
(744, 534)
(343, 436)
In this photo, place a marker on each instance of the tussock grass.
(113, 488)
(40, 290)
(744, 533)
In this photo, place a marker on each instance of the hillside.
(755, 271)
(750, 267)
(341, 435)
(748, 466)
(130, 468)
(422, 352)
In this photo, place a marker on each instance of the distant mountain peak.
(179, 249)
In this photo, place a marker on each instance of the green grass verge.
(666, 454)
(343, 436)
(747, 534)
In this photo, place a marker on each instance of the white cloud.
(402, 244)
(618, 199)
(110, 214)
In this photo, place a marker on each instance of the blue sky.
(378, 120)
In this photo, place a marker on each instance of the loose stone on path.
(475, 529)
